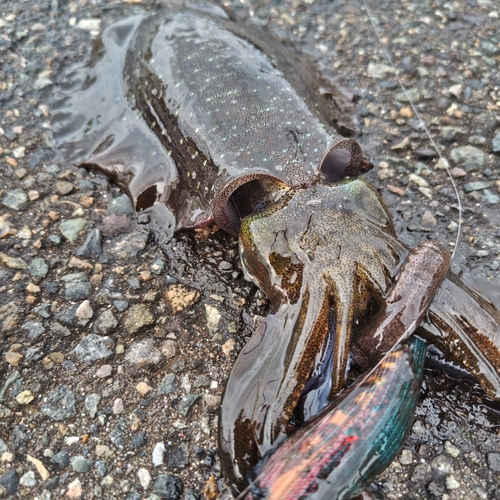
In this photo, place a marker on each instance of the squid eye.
(336, 163)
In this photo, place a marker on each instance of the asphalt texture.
(118, 397)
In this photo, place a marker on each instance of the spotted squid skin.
(352, 440)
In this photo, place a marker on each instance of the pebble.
(89, 24)
(84, 310)
(105, 323)
(101, 450)
(143, 388)
(59, 404)
(118, 406)
(143, 353)
(494, 461)
(74, 489)
(71, 229)
(167, 385)
(168, 487)
(64, 187)
(441, 465)
(489, 197)
(139, 439)
(144, 477)
(28, 479)
(468, 157)
(101, 467)
(378, 70)
(13, 358)
(137, 317)
(60, 459)
(179, 297)
(44, 473)
(421, 474)
(168, 348)
(38, 268)
(104, 371)
(15, 199)
(187, 402)
(15, 263)
(120, 205)
(76, 286)
(157, 266)
(201, 381)
(211, 401)
(32, 288)
(158, 454)
(117, 435)
(406, 457)
(451, 483)
(121, 305)
(213, 317)
(428, 219)
(93, 347)
(451, 449)
(10, 481)
(495, 143)
(92, 247)
(228, 347)
(25, 397)
(58, 329)
(91, 403)
(477, 186)
(177, 457)
(128, 246)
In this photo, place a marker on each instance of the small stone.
(146, 275)
(105, 323)
(167, 385)
(93, 347)
(138, 439)
(74, 489)
(143, 388)
(32, 288)
(118, 406)
(211, 401)
(60, 459)
(80, 464)
(40, 468)
(76, 286)
(64, 187)
(104, 371)
(92, 247)
(157, 266)
(406, 457)
(60, 330)
(168, 486)
(38, 268)
(477, 186)
(213, 317)
(33, 195)
(100, 466)
(441, 465)
(494, 461)
(158, 454)
(121, 305)
(28, 480)
(168, 348)
(177, 457)
(451, 483)
(179, 297)
(468, 157)
(137, 317)
(101, 450)
(402, 144)
(91, 403)
(144, 477)
(71, 229)
(25, 398)
(15, 263)
(378, 70)
(13, 358)
(421, 474)
(59, 404)
(495, 143)
(117, 435)
(143, 353)
(457, 172)
(428, 219)
(201, 381)
(187, 402)
(15, 199)
(128, 246)
(451, 449)
(10, 481)
(228, 347)
(107, 482)
(80, 264)
(84, 310)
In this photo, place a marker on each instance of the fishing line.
(410, 329)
